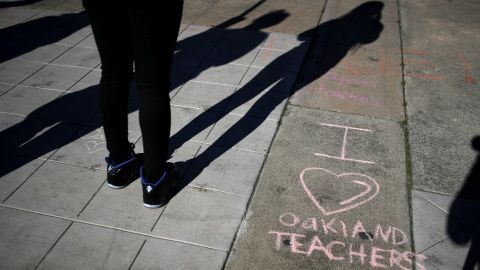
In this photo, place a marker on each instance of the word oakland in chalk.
(371, 189)
(341, 249)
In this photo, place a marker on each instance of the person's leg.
(154, 33)
(111, 31)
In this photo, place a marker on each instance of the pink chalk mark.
(344, 143)
(423, 62)
(375, 257)
(340, 126)
(369, 188)
(425, 76)
(345, 159)
(469, 79)
(345, 207)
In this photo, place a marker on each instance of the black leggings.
(146, 35)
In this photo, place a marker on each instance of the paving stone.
(92, 247)
(226, 74)
(429, 223)
(296, 184)
(238, 179)
(285, 60)
(44, 54)
(193, 9)
(285, 42)
(79, 57)
(27, 100)
(237, 47)
(204, 96)
(76, 37)
(201, 216)
(15, 171)
(441, 12)
(366, 82)
(442, 97)
(56, 77)
(452, 253)
(124, 208)
(76, 107)
(258, 104)
(4, 88)
(244, 132)
(27, 237)
(88, 42)
(58, 189)
(87, 148)
(269, 78)
(4, 24)
(223, 11)
(38, 138)
(158, 254)
(19, 14)
(91, 79)
(294, 17)
(463, 210)
(337, 9)
(191, 124)
(14, 72)
(9, 123)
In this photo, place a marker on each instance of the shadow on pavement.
(50, 126)
(27, 36)
(462, 209)
(362, 25)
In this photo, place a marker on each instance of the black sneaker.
(121, 174)
(156, 194)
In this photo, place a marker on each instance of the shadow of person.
(466, 208)
(275, 83)
(67, 118)
(24, 37)
(238, 45)
(6, 4)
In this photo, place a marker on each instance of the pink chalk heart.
(338, 193)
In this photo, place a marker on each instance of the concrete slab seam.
(111, 227)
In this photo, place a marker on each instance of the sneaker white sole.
(115, 187)
(152, 205)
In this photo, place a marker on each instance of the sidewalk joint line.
(16, 114)
(213, 189)
(214, 83)
(112, 227)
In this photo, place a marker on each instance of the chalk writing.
(468, 78)
(345, 80)
(343, 150)
(332, 207)
(342, 248)
(95, 142)
(345, 95)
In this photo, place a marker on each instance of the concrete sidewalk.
(310, 135)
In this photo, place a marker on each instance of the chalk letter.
(329, 248)
(278, 241)
(419, 259)
(396, 259)
(317, 245)
(294, 245)
(294, 222)
(344, 229)
(361, 254)
(379, 232)
(310, 223)
(394, 236)
(358, 229)
(328, 226)
(375, 257)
